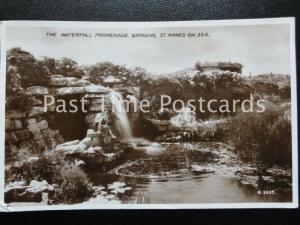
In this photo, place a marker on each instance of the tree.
(32, 72)
(69, 67)
(104, 69)
(52, 64)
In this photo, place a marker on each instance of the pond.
(187, 173)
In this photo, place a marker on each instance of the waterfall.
(120, 112)
(134, 102)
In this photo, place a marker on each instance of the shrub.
(104, 69)
(262, 137)
(16, 97)
(24, 70)
(213, 130)
(74, 186)
(18, 100)
(32, 72)
(65, 66)
(69, 67)
(72, 182)
(11, 152)
(47, 167)
(285, 92)
(280, 135)
(51, 64)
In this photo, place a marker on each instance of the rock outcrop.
(191, 131)
(88, 149)
(30, 127)
(20, 192)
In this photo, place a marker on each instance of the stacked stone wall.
(31, 127)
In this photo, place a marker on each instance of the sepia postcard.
(148, 115)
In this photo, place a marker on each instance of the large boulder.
(13, 114)
(69, 147)
(34, 128)
(88, 149)
(43, 186)
(79, 83)
(109, 80)
(37, 90)
(22, 134)
(34, 191)
(93, 156)
(96, 89)
(160, 125)
(81, 150)
(58, 80)
(94, 96)
(185, 118)
(68, 81)
(18, 124)
(71, 79)
(57, 76)
(43, 124)
(31, 121)
(9, 124)
(20, 192)
(13, 190)
(30, 196)
(70, 90)
(75, 147)
(35, 111)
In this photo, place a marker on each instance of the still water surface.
(167, 177)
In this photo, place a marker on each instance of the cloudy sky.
(260, 48)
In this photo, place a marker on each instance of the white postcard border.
(209, 23)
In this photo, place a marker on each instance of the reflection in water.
(168, 178)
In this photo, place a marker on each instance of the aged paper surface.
(197, 114)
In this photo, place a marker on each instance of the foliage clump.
(262, 137)
(71, 183)
(31, 71)
(24, 70)
(65, 66)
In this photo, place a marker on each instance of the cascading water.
(133, 102)
(120, 112)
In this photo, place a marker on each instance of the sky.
(260, 48)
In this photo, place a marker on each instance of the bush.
(32, 72)
(47, 167)
(69, 67)
(262, 137)
(18, 100)
(285, 92)
(74, 186)
(227, 86)
(16, 97)
(23, 71)
(104, 69)
(213, 130)
(65, 66)
(72, 182)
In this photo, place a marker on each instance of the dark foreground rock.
(20, 192)
(89, 152)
